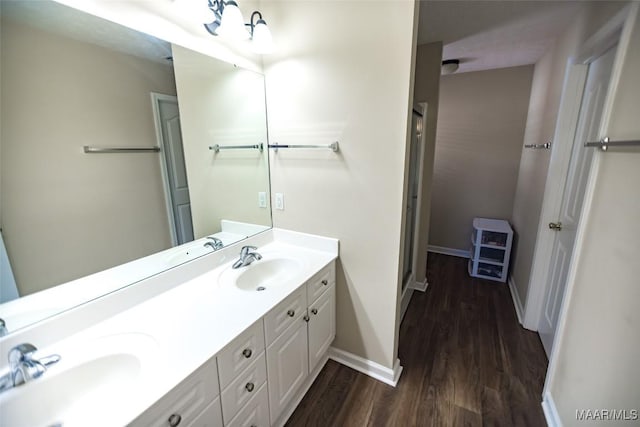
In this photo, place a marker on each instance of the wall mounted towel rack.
(334, 146)
(218, 147)
(101, 150)
(545, 146)
(605, 143)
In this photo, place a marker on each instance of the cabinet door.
(322, 326)
(210, 417)
(287, 367)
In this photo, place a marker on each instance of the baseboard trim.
(449, 251)
(420, 286)
(367, 367)
(291, 407)
(550, 411)
(516, 299)
(404, 303)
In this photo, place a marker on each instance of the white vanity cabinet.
(195, 402)
(293, 354)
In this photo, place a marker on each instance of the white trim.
(420, 286)
(295, 401)
(631, 12)
(367, 367)
(155, 101)
(513, 290)
(406, 299)
(550, 411)
(449, 251)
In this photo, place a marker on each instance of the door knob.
(557, 226)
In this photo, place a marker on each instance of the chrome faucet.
(247, 257)
(215, 243)
(3, 328)
(24, 367)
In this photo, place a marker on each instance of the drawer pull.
(291, 313)
(249, 387)
(325, 282)
(306, 318)
(247, 352)
(314, 311)
(174, 420)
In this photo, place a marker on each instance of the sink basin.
(78, 391)
(266, 273)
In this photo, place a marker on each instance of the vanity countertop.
(177, 331)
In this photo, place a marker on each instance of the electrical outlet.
(280, 201)
(262, 199)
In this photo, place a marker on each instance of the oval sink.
(262, 275)
(86, 387)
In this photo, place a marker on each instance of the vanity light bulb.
(232, 23)
(262, 41)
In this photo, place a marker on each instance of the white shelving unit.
(490, 249)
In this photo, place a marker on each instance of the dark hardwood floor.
(467, 362)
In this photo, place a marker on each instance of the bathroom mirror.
(115, 147)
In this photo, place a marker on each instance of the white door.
(176, 186)
(591, 107)
(287, 367)
(322, 326)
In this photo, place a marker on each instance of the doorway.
(174, 172)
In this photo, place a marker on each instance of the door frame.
(616, 30)
(156, 98)
(412, 285)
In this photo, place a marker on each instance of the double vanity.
(201, 344)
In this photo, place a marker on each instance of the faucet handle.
(21, 352)
(245, 250)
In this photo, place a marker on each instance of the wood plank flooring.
(467, 362)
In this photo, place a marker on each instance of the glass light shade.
(262, 41)
(232, 23)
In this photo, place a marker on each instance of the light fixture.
(229, 23)
(450, 66)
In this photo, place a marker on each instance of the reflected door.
(176, 185)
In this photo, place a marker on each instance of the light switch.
(262, 199)
(280, 201)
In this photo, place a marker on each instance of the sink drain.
(260, 288)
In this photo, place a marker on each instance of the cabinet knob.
(314, 311)
(249, 387)
(306, 318)
(555, 226)
(247, 352)
(174, 420)
(325, 282)
(291, 313)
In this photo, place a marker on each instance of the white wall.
(65, 94)
(596, 362)
(225, 105)
(481, 123)
(334, 79)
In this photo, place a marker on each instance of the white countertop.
(180, 329)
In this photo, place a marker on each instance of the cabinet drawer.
(321, 282)
(187, 400)
(240, 353)
(243, 388)
(285, 314)
(255, 413)
(210, 417)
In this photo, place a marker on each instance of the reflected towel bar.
(95, 150)
(334, 146)
(605, 143)
(219, 147)
(546, 146)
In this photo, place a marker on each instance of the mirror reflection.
(74, 85)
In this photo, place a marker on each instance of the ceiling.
(494, 34)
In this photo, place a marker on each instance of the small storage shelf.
(490, 249)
